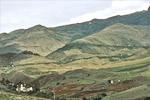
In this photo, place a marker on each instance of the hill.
(43, 40)
(38, 39)
(80, 30)
(116, 40)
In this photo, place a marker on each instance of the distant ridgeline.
(117, 35)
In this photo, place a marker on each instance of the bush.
(7, 81)
(36, 89)
(84, 98)
(30, 53)
(104, 94)
(147, 98)
(98, 98)
(3, 81)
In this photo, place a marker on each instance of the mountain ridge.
(117, 39)
(54, 38)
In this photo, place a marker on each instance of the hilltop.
(43, 40)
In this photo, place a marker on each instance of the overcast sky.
(16, 14)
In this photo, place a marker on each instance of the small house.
(119, 81)
(110, 81)
(21, 88)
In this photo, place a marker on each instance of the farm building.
(21, 88)
(110, 81)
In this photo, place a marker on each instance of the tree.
(7, 81)
(14, 87)
(84, 98)
(3, 81)
(36, 89)
(104, 94)
(97, 98)
(147, 98)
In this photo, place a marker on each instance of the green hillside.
(80, 30)
(90, 83)
(117, 40)
(38, 39)
(43, 40)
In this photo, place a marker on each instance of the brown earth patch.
(64, 89)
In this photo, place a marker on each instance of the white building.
(21, 88)
(110, 81)
(119, 81)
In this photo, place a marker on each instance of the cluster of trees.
(147, 98)
(9, 84)
(4, 82)
(30, 53)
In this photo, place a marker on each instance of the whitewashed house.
(21, 88)
(110, 81)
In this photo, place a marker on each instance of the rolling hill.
(116, 40)
(91, 44)
(80, 30)
(43, 40)
(38, 39)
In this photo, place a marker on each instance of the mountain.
(80, 30)
(38, 39)
(43, 40)
(83, 45)
(115, 40)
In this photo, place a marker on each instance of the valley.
(102, 59)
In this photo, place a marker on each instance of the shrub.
(98, 98)
(7, 81)
(30, 53)
(147, 98)
(84, 98)
(104, 94)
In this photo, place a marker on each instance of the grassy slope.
(35, 66)
(116, 40)
(44, 40)
(11, 96)
(80, 30)
(131, 94)
(99, 78)
(38, 39)
(126, 69)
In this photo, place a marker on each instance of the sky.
(17, 14)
